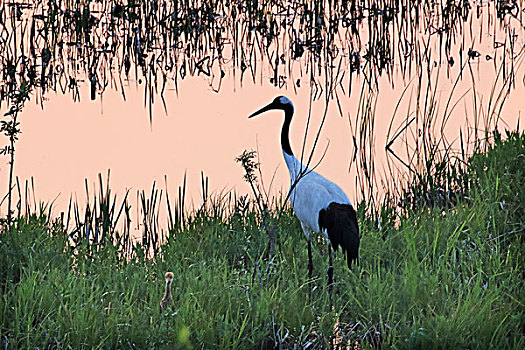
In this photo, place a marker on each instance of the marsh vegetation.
(432, 277)
(442, 220)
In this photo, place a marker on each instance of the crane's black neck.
(285, 141)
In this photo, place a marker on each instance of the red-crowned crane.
(320, 204)
(166, 299)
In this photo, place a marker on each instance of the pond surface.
(197, 130)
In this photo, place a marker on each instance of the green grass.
(430, 278)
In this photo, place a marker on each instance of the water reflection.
(67, 142)
(388, 77)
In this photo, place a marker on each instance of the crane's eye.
(284, 100)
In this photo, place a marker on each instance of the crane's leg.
(310, 263)
(330, 266)
(307, 234)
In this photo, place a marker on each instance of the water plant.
(432, 277)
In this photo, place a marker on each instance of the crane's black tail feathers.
(340, 222)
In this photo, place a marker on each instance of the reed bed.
(441, 262)
(56, 46)
(429, 276)
(59, 45)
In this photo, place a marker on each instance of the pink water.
(66, 142)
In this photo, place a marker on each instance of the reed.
(330, 45)
(58, 46)
(441, 247)
(429, 278)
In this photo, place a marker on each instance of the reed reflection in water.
(66, 142)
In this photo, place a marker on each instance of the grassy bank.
(431, 276)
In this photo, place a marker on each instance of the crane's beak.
(268, 107)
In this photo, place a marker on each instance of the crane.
(320, 205)
(167, 298)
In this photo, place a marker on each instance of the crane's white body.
(312, 193)
(319, 204)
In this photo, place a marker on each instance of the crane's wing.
(312, 194)
(340, 223)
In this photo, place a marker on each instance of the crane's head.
(280, 102)
(168, 276)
